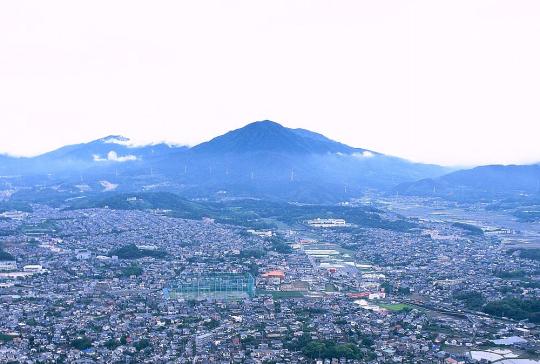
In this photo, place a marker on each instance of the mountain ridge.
(482, 182)
(262, 158)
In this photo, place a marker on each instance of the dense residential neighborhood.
(94, 286)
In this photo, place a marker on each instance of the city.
(269, 182)
(327, 293)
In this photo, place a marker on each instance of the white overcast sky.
(450, 82)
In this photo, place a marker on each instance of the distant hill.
(485, 182)
(99, 155)
(112, 151)
(253, 213)
(98, 150)
(9, 165)
(143, 201)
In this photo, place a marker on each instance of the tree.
(132, 270)
(81, 343)
(471, 299)
(142, 344)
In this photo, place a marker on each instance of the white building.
(8, 265)
(261, 233)
(325, 223)
(15, 215)
(147, 247)
(33, 268)
(377, 295)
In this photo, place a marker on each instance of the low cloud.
(128, 143)
(112, 156)
(117, 139)
(364, 154)
(108, 186)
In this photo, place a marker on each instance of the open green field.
(282, 294)
(329, 287)
(394, 306)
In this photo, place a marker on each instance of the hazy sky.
(451, 82)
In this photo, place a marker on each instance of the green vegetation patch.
(142, 344)
(510, 274)
(515, 308)
(282, 294)
(326, 349)
(11, 205)
(329, 287)
(472, 300)
(131, 270)
(533, 254)
(469, 229)
(5, 255)
(131, 251)
(396, 307)
(81, 343)
(6, 337)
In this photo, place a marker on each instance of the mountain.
(263, 159)
(113, 148)
(102, 154)
(269, 136)
(485, 182)
(266, 159)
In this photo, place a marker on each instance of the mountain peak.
(269, 136)
(264, 124)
